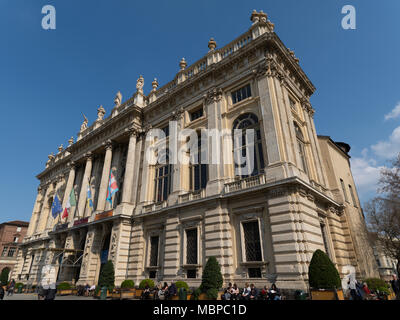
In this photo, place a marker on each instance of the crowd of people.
(250, 292)
(160, 291)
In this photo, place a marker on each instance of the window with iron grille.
(241, 94)
(163, 177)
(191, 246)
(196, 114)
(252, 241)
(191, 273)
(4, 253)
(11, 252)
(154, 251)
(254, 273)
(152, 274)
(198, 170)
(242, 147)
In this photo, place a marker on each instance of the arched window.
(301, 147)
(241, 145)
(163, 177)
(199, 171)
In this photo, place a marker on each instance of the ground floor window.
(191, 246)
(191, 273)
(152, 274)
(154, 251)
(252, 241)
(254, 273)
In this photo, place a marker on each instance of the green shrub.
(106, 277)
(182, 284)
(375, 284)
(19, 284)
(143, 283)
(127, 284)
(212, 277)
(64, 286)
(212, 294)
(4, 276)
(196, 294)
(322, 273)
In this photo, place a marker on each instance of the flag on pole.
(89, 197)
(71, 202)
(112, 188)
(56, 207)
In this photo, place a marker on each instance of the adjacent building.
(168, 218)
(12, 234)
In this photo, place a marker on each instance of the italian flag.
(71, 202)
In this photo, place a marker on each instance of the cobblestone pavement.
(31, 296)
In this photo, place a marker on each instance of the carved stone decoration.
(60, 148)
(154, 84)
(113, 246)
(212, 44)
(49, 257)
(213, 95)
(100, 113)
(84, 124)
(182, 64)
(71, 141)
(177, 114)
(118, 99)
(305, 103)
(140, 84)
(255, 17)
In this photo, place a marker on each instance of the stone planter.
(138, 293)
(327, 294)
(115, 295)
(128, 293)
(65, 292)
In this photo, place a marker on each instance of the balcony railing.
(193, 195)
(246, 183)
(154, 206)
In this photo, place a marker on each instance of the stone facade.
(12, 234)
(263, 227)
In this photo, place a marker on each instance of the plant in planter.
(211, 278)
(127, 289)
(127, 284)
(376, 284)
(4, 276)
(106, 277)
(64, 288)
(323, 277)
(143, 283)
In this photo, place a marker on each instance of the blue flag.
(56, 207)
(89, 198)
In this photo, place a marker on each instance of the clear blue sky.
(48, 78)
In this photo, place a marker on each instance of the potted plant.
(106, 277)
(324, 278)
(127, 289)
(211, 279)
(179, 285)
(378, 285)
(64, 288)
(142, 285)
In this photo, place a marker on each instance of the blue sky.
(49, 78)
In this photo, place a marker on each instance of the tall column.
(85, 182)
(35, 213)
(41, 225)
(68, 187)
(50, 219)
(129, 168)
(101, 202)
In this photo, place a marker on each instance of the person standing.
(11, 286)
(395, 286)
(353, 287)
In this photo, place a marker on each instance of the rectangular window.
(154, 251)
(292, 104)
(196, 114)
(166, 131)
(191, 273)
(16, 239)
(4, 253)
(252, 241)
(352, 196)
(344, 190)
(11, 252)
(324, 238)
(152, 274)
(254, 273)
(241, 94)
(163, 183)
(19, 229)
(191, 246)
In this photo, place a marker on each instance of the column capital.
(71, 165)
(132, 131)
(213, 95)
(88, 156)
(108, 144)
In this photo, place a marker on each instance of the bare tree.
(383, 212)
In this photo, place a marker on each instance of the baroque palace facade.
(166, 220)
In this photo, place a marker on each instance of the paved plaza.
(33, 296)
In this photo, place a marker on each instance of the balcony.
(246, 183)
(193, 195)
(154, 206)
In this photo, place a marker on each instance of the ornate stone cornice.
(177, 114)
(108, 144)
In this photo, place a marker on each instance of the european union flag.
(56, 207)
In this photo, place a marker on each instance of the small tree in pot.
(211, 280)
(106, 277)
(323, 275)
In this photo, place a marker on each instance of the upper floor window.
(292, 104)
(4, 253)
(166, 131)
(344, 190)
(325, 238)
(196, 114)
(11, 252)
(16, 239)
(241, 94)
(199, 171)
(241, 146)
(301, 147)
(18, 229)
(352, 196)
(163, 179)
